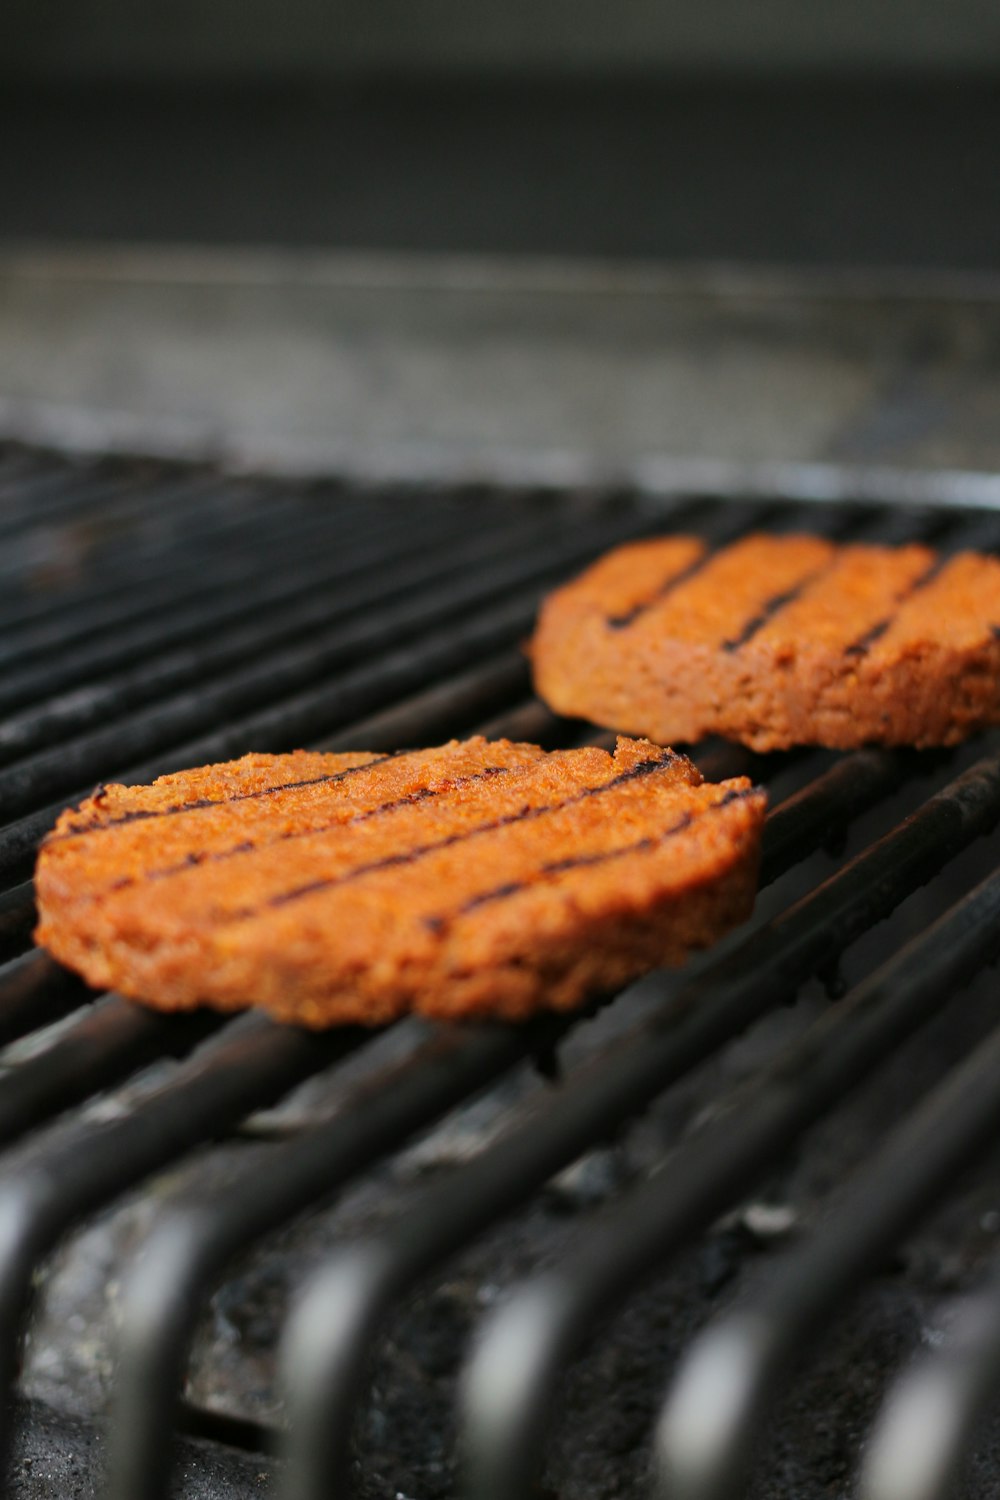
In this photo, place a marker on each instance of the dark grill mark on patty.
(580, 861)
(619, 622)
(865, 642)
(411, 856)
(139, 815)
(772, 606)
(248, 846)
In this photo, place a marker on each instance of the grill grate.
(156, 616)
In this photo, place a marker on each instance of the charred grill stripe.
(865, 642)
(673, 581)
(248, 846)
(142, 814)
(773, 606)
(411, 856)
(580, 861)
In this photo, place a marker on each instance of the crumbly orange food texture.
(777, 641)
(475, 879)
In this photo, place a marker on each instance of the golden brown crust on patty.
(777, 641)
(478, 878)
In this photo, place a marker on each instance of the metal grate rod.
(47, 498)
(728, 1379)
(250, 1065)
(329, 1335)
(168, 513)
(221, 580)
(128, 576)
(35, 991)
(511, 1380)
(109, 1041)
(103, 751)
(450, 707)
(190, 1245)
(17, 919)
(225, 589)
(308, 601)
(308, 715)
(268, 615)
(927, 1430)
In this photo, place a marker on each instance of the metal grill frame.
(354, 619)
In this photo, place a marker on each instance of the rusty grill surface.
(693, 1142)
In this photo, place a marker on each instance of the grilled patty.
(777, 641)
(478, 878)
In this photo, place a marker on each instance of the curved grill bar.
(729, 1377)
(190, 1246)
(250, 1065)
(48, 773)
(325, 1380)
(268, 615)
(510, 1381)
(927, 1429)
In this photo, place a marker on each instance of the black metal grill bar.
(210, 553)
(249, 1066)
(330, 1335)
(704, 1443)
(115, 506)
(49, 497)
(926, 1433)
(116, 572)
(55, 491)
(227, 633)
(544, 1324)
(805, 821)
(306, 716)
(223, 528)
(234, 526)
(69, 643)
(114, 515)
(233, 530)
(297, 720)
(34, 991)
(448, 707)
(192, 1243)
(107, 1043)
(317, 711)
(457, 608)
(40, 554)
(530, 721)
(276, 673)
(104, 600)
(18, 916)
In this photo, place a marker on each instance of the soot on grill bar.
(735, 1231)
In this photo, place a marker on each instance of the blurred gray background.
(459, 235)
(249, 39)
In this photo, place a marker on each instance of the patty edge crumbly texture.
(674, 865)
(921, 668)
